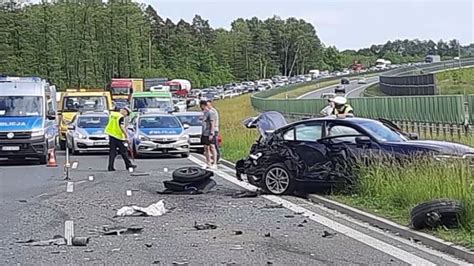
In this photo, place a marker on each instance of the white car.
(180, 104)
(362, 81)
(229, 94)
(279, 84)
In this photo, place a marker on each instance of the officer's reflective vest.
(346, 109)
(113, 128)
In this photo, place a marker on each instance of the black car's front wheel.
(278, 180)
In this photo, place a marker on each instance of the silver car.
(194, 121)
(159, 134)
(86, 133)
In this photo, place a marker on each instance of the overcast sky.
(347, 24)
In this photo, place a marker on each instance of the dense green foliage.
(86, 43)
(403, 51)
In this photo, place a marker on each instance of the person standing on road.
(342, 108)
(117, 133)
(216, 133)
(208, 131)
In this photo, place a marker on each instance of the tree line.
(404, 51)
(86, 43)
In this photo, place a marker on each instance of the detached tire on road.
(440, 212)
(191, 174)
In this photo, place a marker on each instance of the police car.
(86, 133)
(159, 133)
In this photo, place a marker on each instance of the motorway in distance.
(36, 203)
(353, 90)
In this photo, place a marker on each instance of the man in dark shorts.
(208, 134)
(216, 133)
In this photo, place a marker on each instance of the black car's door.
(350, 143)
(306, 155)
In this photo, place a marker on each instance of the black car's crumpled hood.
(266, 122)
(442, 147)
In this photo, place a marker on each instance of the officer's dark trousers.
(117, 147)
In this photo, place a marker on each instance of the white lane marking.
(40, 195)
(69, 232)
(74, 165)
(70, 187)
(91, 178)
(80, 182)
(165, 170)
(129, 193)
(405, 241)
(402, 240)
(352, 233)
(360, 88)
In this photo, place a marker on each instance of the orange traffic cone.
(52, 159)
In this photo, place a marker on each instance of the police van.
(28, 126)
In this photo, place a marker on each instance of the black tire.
(73, 150)
(435, 213)
(191, 174)
(266, 180)
(62, 145)
(135, 154)
(43, 159)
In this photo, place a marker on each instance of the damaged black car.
(323, 152)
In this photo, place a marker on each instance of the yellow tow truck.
(80, 100)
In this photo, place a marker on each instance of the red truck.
(179, 87)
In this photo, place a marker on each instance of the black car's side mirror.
(363, 141)
(51, 115)
(413, 136)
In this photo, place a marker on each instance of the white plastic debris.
(156, 209)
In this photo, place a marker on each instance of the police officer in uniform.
(117, 133)
(342, 108)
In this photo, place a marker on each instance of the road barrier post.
(67, 165)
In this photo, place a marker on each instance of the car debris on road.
(156, 209)
(57, 240)
(246, 194)
(121, 230)
(206, 226)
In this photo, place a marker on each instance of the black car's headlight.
(255, 156)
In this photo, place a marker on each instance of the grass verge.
(236, 138)
(392, 192)
(459, 81)
(373, 91)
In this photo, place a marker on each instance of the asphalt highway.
(353, 90)
(36, 202)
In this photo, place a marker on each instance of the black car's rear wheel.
(278, 180)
